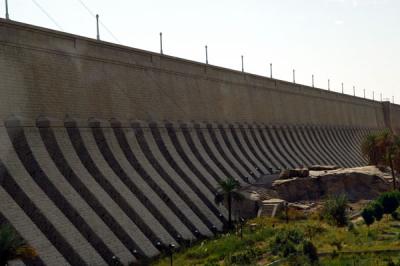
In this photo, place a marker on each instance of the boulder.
(357, 183)
(299, 206)
(291, 173)
(323, 167)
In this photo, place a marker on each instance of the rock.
(290, 173)
(323, 167)
(357, 183)
(299, 206)
(246, 205)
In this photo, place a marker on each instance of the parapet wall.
(53, 74)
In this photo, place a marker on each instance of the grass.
(372, 259)
(356, 245)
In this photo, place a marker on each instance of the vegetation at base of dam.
(383, 149)
(326, 236)
(305, 240)
(13, 246)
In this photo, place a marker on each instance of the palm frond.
(229, 185)
(12, 246)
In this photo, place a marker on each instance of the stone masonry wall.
(53, 74)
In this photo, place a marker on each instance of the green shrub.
(285, 242)
(395, 215)
(377, 210)
(291, 245)
(335, 210)
(246, 257)
(389, 201)
(392, 263)
(311, 230)
(386, 203)
(297, 260)
(12, 246)
(198, 253)
(368, 215)
(310, 251)
(211, 263)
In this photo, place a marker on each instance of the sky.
(351, 41)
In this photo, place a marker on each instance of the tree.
(389, 202)
(12, 246)
(368, 216)
(371, 150)
(383, 149)
(388, 142)
(396, 153)
(377, 210)
(227, 190)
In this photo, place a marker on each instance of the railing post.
(7, 15)
(270, 70)
(294, 76)
(242, 64)
(97, 27)
(206, 55)
(161, 48)
(312, 78)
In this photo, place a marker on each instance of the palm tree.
(371, 150)
(227, 190)
(395, 156)
(386, 143)
(383, 149)
(12, 246)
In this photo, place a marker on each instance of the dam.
(109, 153)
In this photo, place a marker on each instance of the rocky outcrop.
(357, 183)
(318, 167)
(290, 173)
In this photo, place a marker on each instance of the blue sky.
(352, 41)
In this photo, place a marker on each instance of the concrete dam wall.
(112, 153)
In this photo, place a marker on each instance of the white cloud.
(339, 22)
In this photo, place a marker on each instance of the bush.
(377, 210)
(395, 215)
(368, 215)
(310, 251)
(285, 242)
(295, 215)
(297, 260)
(245, 257)
(13, 246)
(211, 263)
(312, 230)
(386, 203)
(389, 201)
(335, 210)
